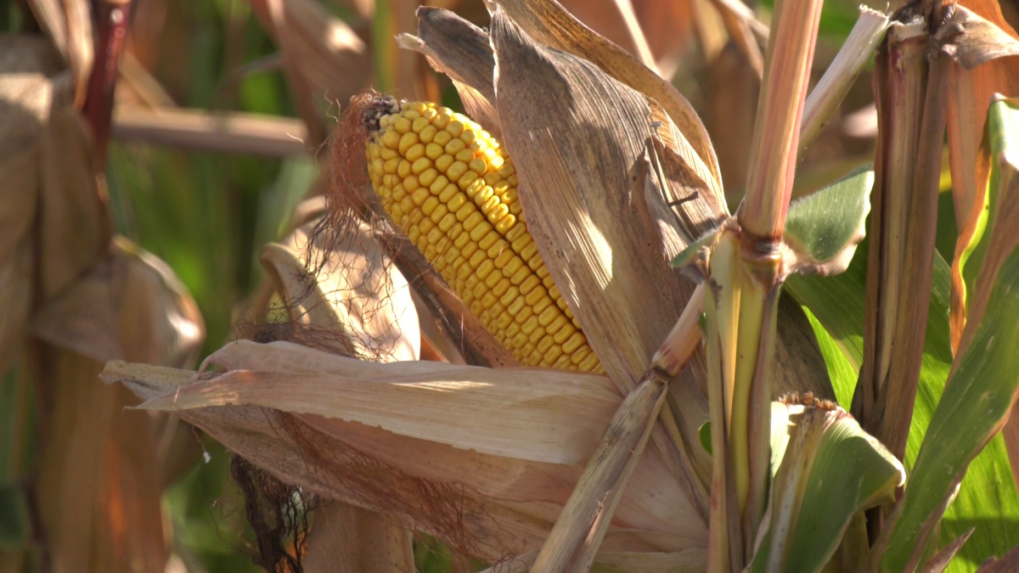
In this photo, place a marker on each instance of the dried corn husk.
(508, 481)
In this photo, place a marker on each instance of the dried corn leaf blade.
(547, 22)
(69, 25)
(578, 139)
(350, 288)
(128, 306)
(970, 94)
(74, 223)
(27, 66)
(108, 516)
(483, 505)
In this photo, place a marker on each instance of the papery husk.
(343, 286)
(350, 288)
(581, 143)
(484, 505)
(547, 22)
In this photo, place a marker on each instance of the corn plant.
(601, 366)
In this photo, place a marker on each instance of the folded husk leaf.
(604, 235)
(484, 505)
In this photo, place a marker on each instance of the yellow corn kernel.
(451, 188)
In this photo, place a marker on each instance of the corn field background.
(217, 146)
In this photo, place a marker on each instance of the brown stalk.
(779, 112)
(114, 18)
(232, 132)
(903, 229)
(899, 85)
(914, 296)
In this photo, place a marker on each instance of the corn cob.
(449, 185)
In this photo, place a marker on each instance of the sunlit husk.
(508, 499)
(349, 290)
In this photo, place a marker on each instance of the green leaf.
(15, 522)
(829, 470)
(691, 253)
(987, 499)
(842, 371)
(823, 228)
(985, 381)
(704, 435)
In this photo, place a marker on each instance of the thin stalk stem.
(779, 114)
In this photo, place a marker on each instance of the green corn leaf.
(829, 469)
(15, 522)
(823, 228)
(985, 381)
(987, 500)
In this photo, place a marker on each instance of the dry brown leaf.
(548, 23)
(69, 25)
(970, 91)
(74, 223)
(128, 306)
(351, 288)
(108, 516)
